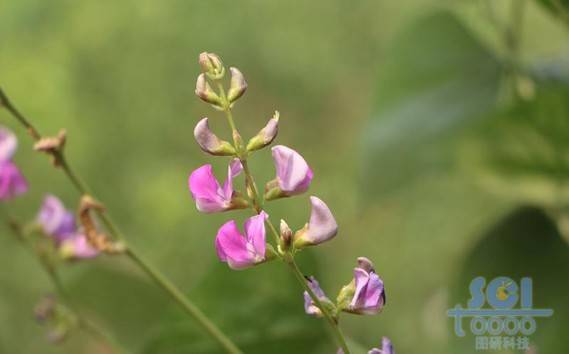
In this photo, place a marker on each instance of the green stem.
(183, 301)
(329, 318)
(151, 271)
(289, 257)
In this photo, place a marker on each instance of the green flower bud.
(286, 236)
(266, 135)
(212, 65)
(206, 93)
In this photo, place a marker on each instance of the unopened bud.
(206, 93)
(209, 142)
(286, 236)
(212, 65)
(266, 135)
(238, 85)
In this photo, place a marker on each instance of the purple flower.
(210, 197)
(242, 251)
(77, 247)
(321, 227)
(55, 220)
(8, 144)
(386, 348)
(12, 182)
(59, 223)
(365, 295)
(309, 306)
(293, 174)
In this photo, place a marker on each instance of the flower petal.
(386, 346)
(373, 300)
(12, 182)
(206, 191)
(361, 277)
(255, 232)
(232, 247)
(322, 225)
(234, 169)
(77, 247)
(55, 219)
(8, 144)
(293, 173)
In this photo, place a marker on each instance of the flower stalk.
(257, 206)
(60, 161)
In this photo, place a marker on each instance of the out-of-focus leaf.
(437, 78)
(260, 308)
(556, 7)
(526, 243)
(522, 152)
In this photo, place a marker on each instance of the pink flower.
(369, 293)
(321, 227)
(55, 220)
(210, 197)
(242, 251)
(8, 144)
(386, 348)
(293, 174)
(12, 182)
(309, 306)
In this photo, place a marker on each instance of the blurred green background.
(438, 132)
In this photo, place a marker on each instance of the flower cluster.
(12, 182)
(365, 294)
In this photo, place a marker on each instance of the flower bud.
(206, 94)
(209, 142)
(266, 135)
(321, 227)
(293, 174)
(211, 65)
(238, 85)
(286, 236)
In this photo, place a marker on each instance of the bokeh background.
(438, 132)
